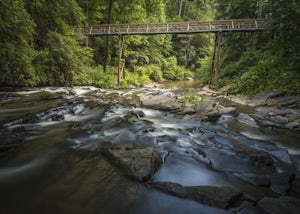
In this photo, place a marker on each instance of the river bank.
(188, 141)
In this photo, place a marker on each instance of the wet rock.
(295, 125)
(255, 179)
(271, 116)
(246, 119)
(188, 109)
(30, 118)
(283, 204)
(281, 158)
(261, 159)
(285, 101)
(228, 110)
(205, 106)
(263, 99)
(246, 207)
(221, 197)
(82, 125)
(165, 101)
(57, 117)
(281, 183)
(138, 113)
(213, 116)
(140, 163)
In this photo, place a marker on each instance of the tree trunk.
(180, 8)
(120, 66)
(216, 60)
(108, 21)
(213, 60)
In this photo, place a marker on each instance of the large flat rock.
(140, 163)
(221, 197)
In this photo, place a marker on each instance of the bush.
(169, 68)
(203, 72)
(96, 77)
(46, 95)
(137, 78)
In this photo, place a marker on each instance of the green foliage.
(46, 95)
(204, 71)
(267, 73)
(39, 44)
(262, 61)
(138, 78)
(94, 76)
(192, 98)
(169, 68)
(151, 71)
(16, 50)
(172, 71)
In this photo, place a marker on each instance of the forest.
(42, 44)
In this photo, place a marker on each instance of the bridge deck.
(178, 27)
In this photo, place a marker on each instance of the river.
(57, 165)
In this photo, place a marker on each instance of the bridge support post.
(121, 62)
(216, 60)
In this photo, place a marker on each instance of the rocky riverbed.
(231, 153)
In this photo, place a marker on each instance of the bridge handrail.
(177, 27)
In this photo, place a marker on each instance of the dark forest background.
(41, 44)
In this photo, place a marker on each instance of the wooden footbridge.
(217, 27)
(178, 27)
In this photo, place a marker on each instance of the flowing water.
(59, 168)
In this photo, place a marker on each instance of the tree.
(251, 59)
(57, 46)
(16, 47)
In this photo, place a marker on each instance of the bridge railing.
(177, 27)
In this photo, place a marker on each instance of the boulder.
(221, 197)
(205, 106)
(140, 163)
(213, 116)
(165, 101)
(283, 204)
